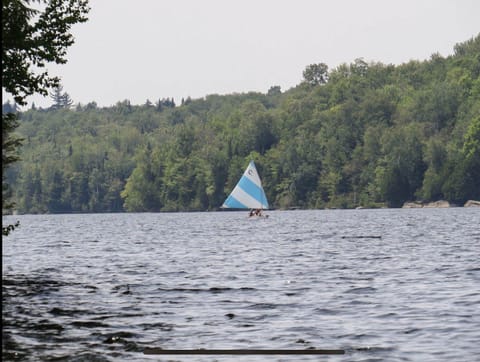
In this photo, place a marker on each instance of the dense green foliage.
(363, 134)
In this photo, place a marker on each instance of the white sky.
(153, 49)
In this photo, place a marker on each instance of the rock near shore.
(418, 204)
(440, 204)
(412, 205)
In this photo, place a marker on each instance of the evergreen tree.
(60, 99)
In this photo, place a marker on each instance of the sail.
(248, 193)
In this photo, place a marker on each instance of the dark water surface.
(383, 285)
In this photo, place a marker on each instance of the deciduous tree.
(33, 35)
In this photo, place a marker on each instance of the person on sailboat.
(255, 212)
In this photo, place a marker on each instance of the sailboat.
(248, 193)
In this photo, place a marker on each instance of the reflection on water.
(396, 285)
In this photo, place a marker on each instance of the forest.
(363, 134)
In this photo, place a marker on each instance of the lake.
(381, 285)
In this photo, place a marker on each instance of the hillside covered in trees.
(362, 134)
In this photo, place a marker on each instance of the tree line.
(362, 134)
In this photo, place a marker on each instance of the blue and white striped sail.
(248, 193)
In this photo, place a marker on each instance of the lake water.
(382, 285)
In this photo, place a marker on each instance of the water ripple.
(384, 285)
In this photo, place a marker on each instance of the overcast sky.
(153, 49)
